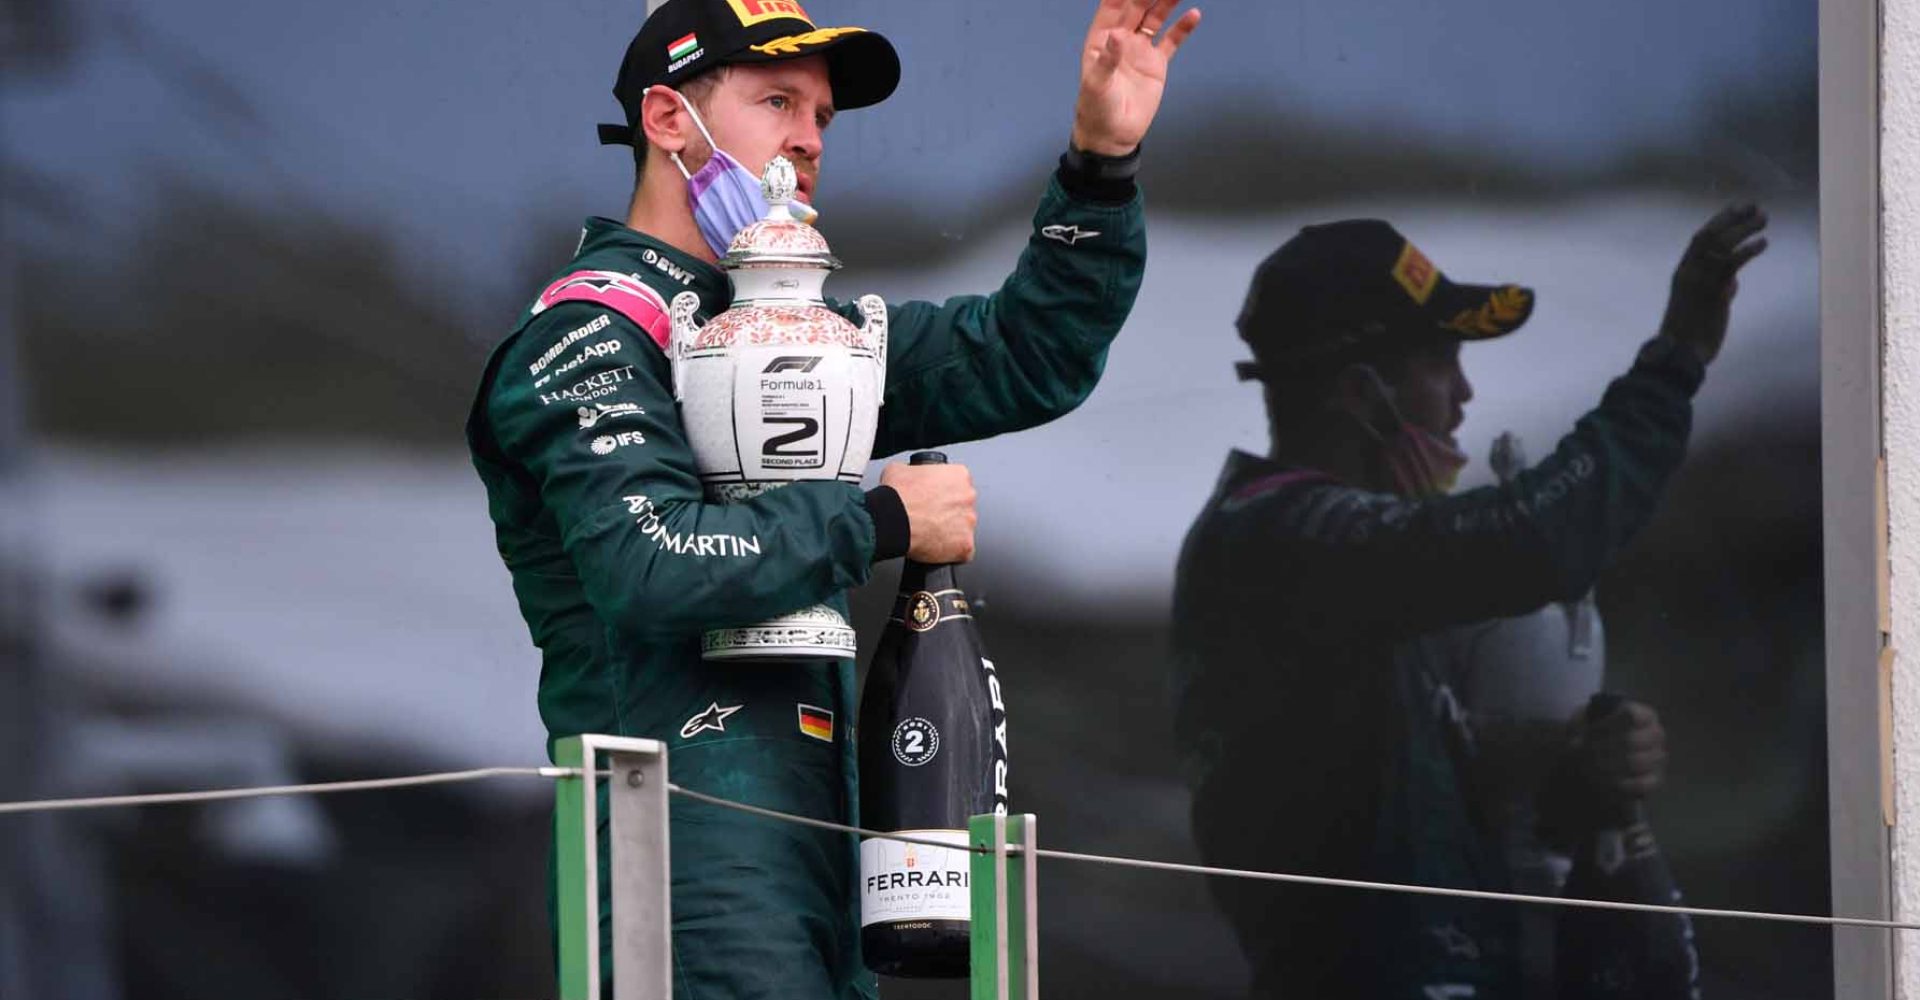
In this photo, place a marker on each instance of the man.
(713, 90)
(1320, 734)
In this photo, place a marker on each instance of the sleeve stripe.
(1277, 482)
(622, 293)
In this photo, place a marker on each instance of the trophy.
(778, 389)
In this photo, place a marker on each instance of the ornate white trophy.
(777, 389)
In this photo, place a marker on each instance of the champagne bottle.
(933, 752)
(1620, 955)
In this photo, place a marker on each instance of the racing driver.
(619, 562)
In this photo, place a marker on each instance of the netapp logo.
(792, 363)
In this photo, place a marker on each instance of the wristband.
(1103, 179)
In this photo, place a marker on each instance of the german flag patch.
(816, 722)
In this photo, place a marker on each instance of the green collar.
(603, 235)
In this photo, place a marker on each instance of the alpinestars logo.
(590, 415)
(712, 720)
(790, 363)
(1068, 234)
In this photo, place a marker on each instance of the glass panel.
(263, 253)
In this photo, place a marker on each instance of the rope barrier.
(322, 788)
(1342, 883)
(478, 774)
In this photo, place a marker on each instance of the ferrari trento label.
(904, 882)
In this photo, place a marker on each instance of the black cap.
(1356, 284)
(685, 38)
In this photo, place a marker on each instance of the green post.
(570, 845)
(1004, 928)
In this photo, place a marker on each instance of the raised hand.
(1123, 71)
(1704, 283)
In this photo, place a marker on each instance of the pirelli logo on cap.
(1415, 273)
(752, 12)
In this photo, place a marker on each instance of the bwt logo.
(792, 364)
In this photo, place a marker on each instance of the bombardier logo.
(1068, 234)
(598, 324)
(792, 363)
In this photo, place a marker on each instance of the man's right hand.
(1623, 752)
(1704, 283)
(940, 515)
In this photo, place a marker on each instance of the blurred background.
(255, 254)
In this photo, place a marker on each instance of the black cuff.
(1674, 361)
(890, 532)
(1103, 180)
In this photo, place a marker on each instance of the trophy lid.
(780, 239)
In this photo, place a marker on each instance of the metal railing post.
(637, 869)
(1005, 928)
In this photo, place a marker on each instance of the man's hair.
(699, 91)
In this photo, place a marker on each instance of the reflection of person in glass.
(1556, 771)
(1314, 591)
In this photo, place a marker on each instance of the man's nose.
(806, 142)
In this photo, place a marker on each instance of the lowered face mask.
(1421, 463)
(724, 195)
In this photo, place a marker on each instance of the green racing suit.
(619, 562)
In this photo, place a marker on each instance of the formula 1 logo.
(792, 363)
(1068, 234)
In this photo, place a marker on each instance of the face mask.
(724, 195)
(1421, 463)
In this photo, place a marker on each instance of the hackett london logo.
(752, 12)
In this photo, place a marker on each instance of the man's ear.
(1359, 392)
(664, 120)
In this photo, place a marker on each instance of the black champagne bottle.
(933, 752)
(1615, 954)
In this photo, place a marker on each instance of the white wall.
(1900, 194)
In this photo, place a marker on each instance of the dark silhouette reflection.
(1319, 650)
